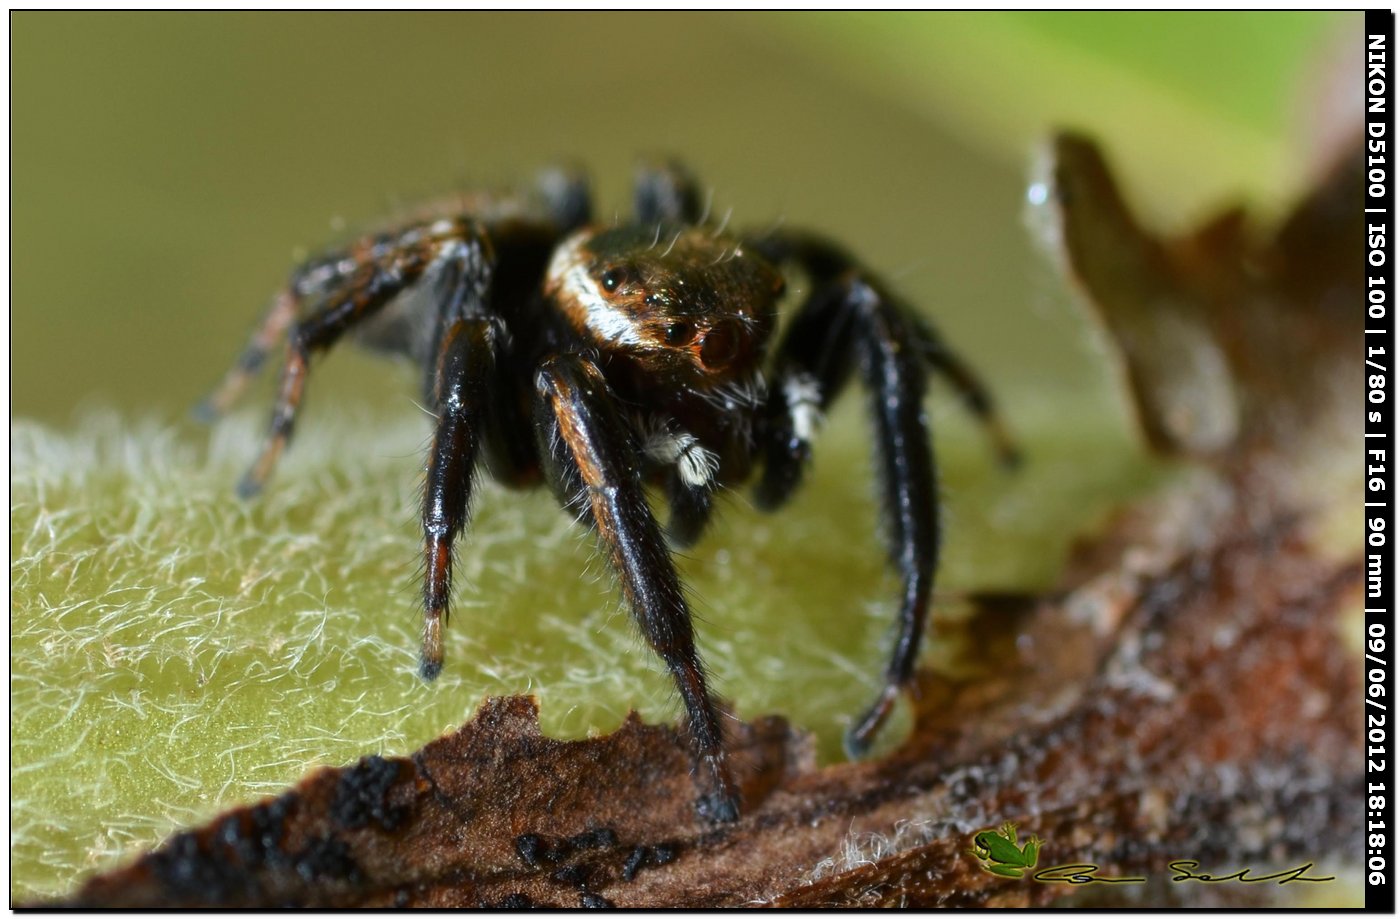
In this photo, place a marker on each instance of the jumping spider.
(602, 359)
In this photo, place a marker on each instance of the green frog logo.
(1000, 855)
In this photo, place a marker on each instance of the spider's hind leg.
(977, 398)
(358, 297)
(319, 277)
(264, 338)
(666, 192)
(566, 195)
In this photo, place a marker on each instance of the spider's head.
(680, 302)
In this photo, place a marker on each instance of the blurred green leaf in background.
(1141, 81)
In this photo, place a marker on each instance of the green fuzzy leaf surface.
(176, 651)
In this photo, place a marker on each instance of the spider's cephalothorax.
(602, 360)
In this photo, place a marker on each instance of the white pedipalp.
(804, 400)
(696, 464)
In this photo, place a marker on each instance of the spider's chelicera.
(605, 359)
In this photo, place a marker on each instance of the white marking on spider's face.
(569, 276)
(804, 399)
(696, 464)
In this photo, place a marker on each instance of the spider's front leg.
(471, 345)
(664, 191)
(465, 381)
(594, 460)
(850, 322)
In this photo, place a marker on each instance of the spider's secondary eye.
(612, 278)
(680, 333)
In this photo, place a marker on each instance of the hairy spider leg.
(593, 460)
(691, 509)
(977, 398)
(895, 378)
(848, 322)
(464, 384)
(466, 373)
(811, 366)
(664, 191)
(566, 195)
(264, 338)
(326, 274)
(367, 290)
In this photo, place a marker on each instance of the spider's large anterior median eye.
(680, 333)
(612, 278)
(721, 345)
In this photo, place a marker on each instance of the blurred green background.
(167, 168)
(174, 652)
